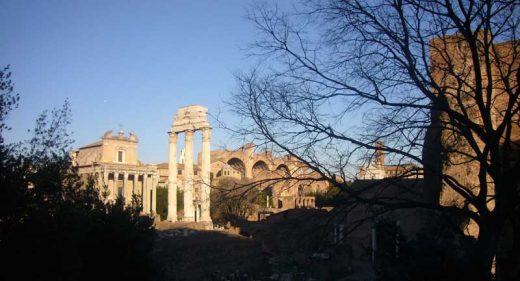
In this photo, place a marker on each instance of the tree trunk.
(508, 252)
(484, 252)
(508, 245)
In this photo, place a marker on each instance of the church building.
(113, 163)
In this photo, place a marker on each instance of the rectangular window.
(179, 172)
(120, 156)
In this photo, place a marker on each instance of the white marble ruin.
(188, 120)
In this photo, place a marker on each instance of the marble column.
(154, 193)
(205, 187)
(126, 189)
(188, 177)
(172, 178)
(140, 186)
(146, 195)
(134, 184)
(113, 192)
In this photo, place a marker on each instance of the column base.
(172, 216)
(206, 219)
(208, 225)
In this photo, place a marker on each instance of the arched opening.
(237, 165)
(283, 170)
(259, 168)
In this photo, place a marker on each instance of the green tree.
(162, 202)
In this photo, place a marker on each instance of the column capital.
(173, 136)
(206, 134)
(189, 134)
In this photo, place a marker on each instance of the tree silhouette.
(437, 81)
(52, 225)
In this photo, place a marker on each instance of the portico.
(126, 182)
(117, 172)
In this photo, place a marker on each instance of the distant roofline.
(94, 144)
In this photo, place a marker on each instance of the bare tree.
(233, 199)
(436, 80)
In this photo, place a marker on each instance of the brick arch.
(283, 170)
(259, 167)
(237, 164)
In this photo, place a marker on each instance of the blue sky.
(129, 63)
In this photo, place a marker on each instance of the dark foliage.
(439, 252)
(162, 202)
(331, 197)
(53, 226)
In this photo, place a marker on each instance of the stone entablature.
(191, 117)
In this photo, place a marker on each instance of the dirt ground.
(288, 246)
(207, 255)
